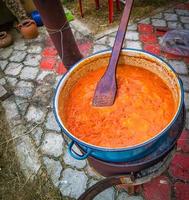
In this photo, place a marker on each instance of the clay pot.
(5, 39)
(28, 29)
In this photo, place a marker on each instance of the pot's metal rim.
(70, 135)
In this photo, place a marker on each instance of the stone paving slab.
(32, 69)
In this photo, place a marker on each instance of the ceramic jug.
(28, 29)
(5, 39)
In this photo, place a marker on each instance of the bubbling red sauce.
(143, 107)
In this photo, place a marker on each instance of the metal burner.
(130, 180)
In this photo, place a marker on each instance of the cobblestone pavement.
(29, 73)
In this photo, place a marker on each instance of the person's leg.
(17, 9)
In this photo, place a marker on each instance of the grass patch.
(13, 185)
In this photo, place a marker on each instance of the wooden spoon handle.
(119, 38)
(107, 87)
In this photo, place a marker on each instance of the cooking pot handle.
(77, 156)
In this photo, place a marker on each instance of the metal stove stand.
(130, 181)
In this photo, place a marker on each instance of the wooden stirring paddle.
(106, 88)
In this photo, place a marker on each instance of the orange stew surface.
(144, 106)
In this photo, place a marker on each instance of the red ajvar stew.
(144, 106)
